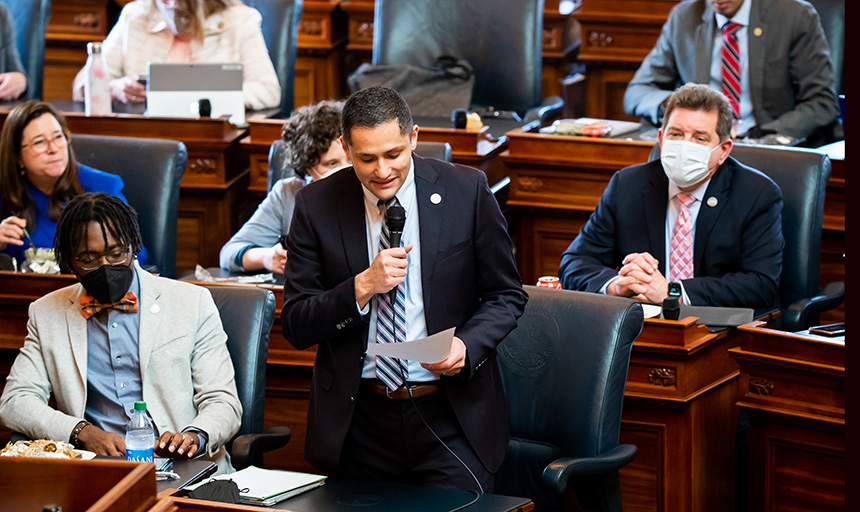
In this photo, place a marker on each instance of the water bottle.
(96, 88)
(139, 436)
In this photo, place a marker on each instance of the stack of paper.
(269, 486)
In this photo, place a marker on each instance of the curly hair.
(309, 132)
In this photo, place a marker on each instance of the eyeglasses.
(114, 257)
(40, 145)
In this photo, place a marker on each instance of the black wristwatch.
(674, 289)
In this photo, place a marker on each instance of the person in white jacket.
(215, 31)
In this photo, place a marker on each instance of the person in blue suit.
(39, 175)
(737, 242)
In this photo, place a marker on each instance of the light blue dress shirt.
(416, 327)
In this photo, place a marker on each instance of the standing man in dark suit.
(725, 216)
(785, 78)
(372, 418)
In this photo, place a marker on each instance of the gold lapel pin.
(712, 201)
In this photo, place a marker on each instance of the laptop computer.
(176, 90)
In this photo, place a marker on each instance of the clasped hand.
(640, 275)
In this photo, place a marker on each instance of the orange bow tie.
(90, 306)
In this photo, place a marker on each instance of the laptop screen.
(180, 90)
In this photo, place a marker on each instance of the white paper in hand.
(431, 349)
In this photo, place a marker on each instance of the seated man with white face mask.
(312, 141)
(697, 224)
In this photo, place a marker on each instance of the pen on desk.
(166, 475)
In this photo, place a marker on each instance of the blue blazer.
(469, 280)
(737, 258)
(42, 233)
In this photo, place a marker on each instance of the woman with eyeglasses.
(187, 31)
(39, 175)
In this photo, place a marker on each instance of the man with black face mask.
(120, 336)
(696, 224)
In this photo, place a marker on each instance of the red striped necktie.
(731, 68)
(90, 306)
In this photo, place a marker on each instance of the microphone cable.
(480, 487)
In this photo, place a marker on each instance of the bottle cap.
(140, 406)
(94, 47)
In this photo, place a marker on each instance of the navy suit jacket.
(737, 253)
(469, 281)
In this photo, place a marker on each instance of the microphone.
(395, 219)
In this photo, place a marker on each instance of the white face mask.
(685, 163)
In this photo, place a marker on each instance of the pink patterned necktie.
(731, 68)
(681, 253)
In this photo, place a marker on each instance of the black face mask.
(108, 283)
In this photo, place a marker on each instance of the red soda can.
(549, 282)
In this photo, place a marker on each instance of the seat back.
(280, 30)
(278, 168)
(801, 175)
(501, 39)
(151, 170)
(832, 14)
(31, 21)
(564, 369)
(247, 314)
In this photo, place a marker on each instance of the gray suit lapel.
(705, 33)
(429, 220)
(757, 45)
(77, 332)
(151, 312)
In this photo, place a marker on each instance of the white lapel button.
(154, 309)
(712, 201)
(435, 199)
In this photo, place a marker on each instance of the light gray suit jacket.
(186, 370)
(791, 78)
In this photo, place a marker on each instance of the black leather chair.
(802, 176)
(151, 170)
(501, 39)
(31, 20)
(280, 30)
(247, 314)
(564, 369)
(832, 13)
(278, 169)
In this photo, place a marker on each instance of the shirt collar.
(742, 17)
(698, 192)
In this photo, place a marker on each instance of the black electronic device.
(204, 107)
(674, 289)
(458, 118)
(395, 219)
(671, 308)
(829, 330)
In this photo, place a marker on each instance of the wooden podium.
(91, 485)
(679, 411)
(793, 386)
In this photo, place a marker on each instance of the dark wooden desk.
(480, 149)
(679, 412)
(793, 387)
(556, 181)
(347, 495)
